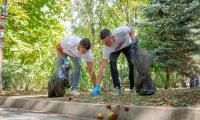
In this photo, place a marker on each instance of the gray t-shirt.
(122, 40)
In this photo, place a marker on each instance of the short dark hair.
(85, 43)
(105, 33)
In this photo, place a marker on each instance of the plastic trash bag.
(59, 81)
(143, 81)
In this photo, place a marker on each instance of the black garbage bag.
(59, 81)
(143, 81)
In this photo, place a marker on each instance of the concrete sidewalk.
(90, 110)
(24, 114)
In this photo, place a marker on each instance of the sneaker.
(75, 92)
(133, 91)
(117, 92)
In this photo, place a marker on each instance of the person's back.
(115, 43)
(74, 48)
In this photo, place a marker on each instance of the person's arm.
(60, 50)
(91, 71)
(133, 34)
(101, 70)
(134, 38)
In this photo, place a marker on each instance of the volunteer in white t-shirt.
(75, 48)
(115, 43)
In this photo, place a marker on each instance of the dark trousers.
(128, 52)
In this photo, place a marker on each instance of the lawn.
(170, 97)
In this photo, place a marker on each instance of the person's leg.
(113, 67)
(128, 52)
(58, 70)
(54, 80)
(77, 72)
(59, 61)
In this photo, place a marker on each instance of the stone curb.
(90, 110)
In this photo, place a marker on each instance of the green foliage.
(170, 24)
(31, 34)
(167, 28)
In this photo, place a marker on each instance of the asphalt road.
(22, 114)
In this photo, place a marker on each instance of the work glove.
(66, 61)
(96, 90)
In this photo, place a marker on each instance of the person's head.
(84, 45)
(107, 37)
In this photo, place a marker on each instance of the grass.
(166, 98)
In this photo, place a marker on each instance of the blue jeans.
(76, 71)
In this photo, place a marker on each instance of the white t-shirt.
(122, 40)
(70, 47)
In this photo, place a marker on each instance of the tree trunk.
(3, 16)
(91, 20)
(136, 13)
(167, 83)
(93, 33)
(126, 11)
(1, 69)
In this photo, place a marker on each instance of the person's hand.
(96, 90)
(66, 61)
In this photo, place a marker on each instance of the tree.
(172, 25)
(2, 27)
(33, 27)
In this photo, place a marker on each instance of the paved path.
(22, 114)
